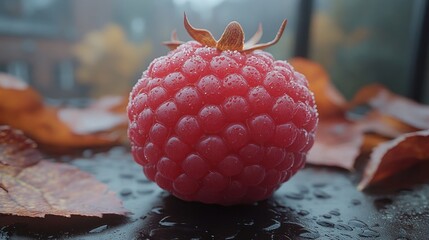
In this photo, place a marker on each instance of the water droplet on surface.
(342, 226)
(327, 216)
(126, 192)
(98, 229)
(157, 210)
(321, 194)
(303, 212)
(356, 202)
(324, 223)
(369, 233)
(357, 223)
(295, 196)
(275, 225)
(164, 222)
(143, 181)
(309, 234)
(126, 176)
(145, 192)
(335, 212)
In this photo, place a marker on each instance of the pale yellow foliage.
(108, 61)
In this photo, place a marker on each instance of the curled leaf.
(337, 144)
(329, 100)
(44, 187)
(395, 156)
(378, 97)
(50, 127)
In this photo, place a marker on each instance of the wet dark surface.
(318, 203)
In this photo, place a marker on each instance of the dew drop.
(164, 222)
(309, 235)
(321, 194)
(335, 213)
(98, 229)
(275, 225)
(126, 192)
(344, 227)
(157, 210)
(324, 223)
(357, 223)
(295, 196)
(369, 233)
(303, 212)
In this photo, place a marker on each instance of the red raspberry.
(216, 123)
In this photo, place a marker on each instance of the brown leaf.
(22, 108)
(395, 156)
(17, 150)
(384, 125)
(337, 143)
(380, 98)
(16, 95)
(46, 187)
(329, 100)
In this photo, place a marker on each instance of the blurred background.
(75, 50)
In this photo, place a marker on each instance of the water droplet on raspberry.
(194, 68)
(211, 118)
(251, 153)
(275, 83)
(257, 63)
(185, 185)
(283, 109)
(285, 135)
(157, 96)
(174, 81)
(212, 148)
(167, 113)
(158, 134)
(152, 153)
(223, 65)
(235, 84)
(230, 166)
(211, 89)
(188, 100)
(168, 168)
(236, 108)
(176, 149)
(236, 135)
(188, 129)
(261, 128)
(163, 182)
(252, 75)
(252, 175)
(214, 182)
(259, 99)
(194, 166)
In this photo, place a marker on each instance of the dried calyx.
(231, 39)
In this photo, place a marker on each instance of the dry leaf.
(380, 98)
(22, 108)
(31, 187)
(395, 156)
(384, 125)
(337, 144)
(329, 100)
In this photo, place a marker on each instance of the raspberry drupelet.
(221, 122)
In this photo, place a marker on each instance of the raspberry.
(218, 123)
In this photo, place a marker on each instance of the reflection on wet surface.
(318, 203)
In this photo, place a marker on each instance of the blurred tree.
(109, 62)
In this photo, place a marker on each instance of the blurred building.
(37, 36)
